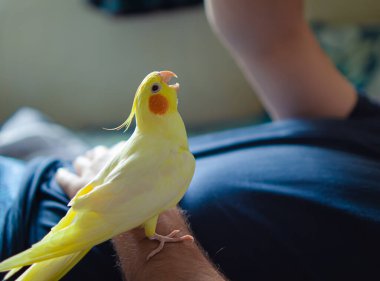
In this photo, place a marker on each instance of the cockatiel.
(149, 175)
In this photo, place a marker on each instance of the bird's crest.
(129, 120)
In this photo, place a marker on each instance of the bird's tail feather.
(62, 242)
(53, 269)
(11, 273)
(34, 255)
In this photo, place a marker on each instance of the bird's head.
(155, 100)
(155, 95)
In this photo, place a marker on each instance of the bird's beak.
(167, 76)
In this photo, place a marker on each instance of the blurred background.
(80, 62)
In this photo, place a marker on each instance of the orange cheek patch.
(158, 104)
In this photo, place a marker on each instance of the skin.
(281, 59)
(283, 62)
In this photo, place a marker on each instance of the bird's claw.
(168, 238)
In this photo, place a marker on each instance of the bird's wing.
(138, 188)
(141, 186)
(107, 168)
(157, 168)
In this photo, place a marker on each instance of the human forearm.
(178, 261)
(281, 59)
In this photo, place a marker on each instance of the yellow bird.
(149, 175)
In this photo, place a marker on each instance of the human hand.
(86, 167)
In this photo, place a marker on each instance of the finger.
(96, 151)
(69, 182)
(100, 149)
(81, 164)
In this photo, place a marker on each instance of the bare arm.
(281, 59)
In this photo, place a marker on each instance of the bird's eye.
(156, 88)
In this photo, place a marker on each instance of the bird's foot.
(167, 239)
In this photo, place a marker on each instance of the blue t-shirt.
(289, 200)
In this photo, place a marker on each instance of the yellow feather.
(52, 269)
(11, 273)
(129, 120)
